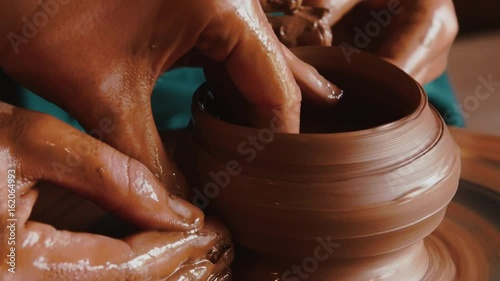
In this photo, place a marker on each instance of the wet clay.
(303, 26)
(355, 196)
(301, 23)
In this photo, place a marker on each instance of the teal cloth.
(172, 96)
(442, 97)
(171, 100)
(32, 101)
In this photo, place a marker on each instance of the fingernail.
(192, 216)
(335, 93)
(329, 91)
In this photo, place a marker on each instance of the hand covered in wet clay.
(34, 148)
(415, 35)
(303, 26)
(100, 61)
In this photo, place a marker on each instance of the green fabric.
(442, 97)
(171, 100)
(31, 101)
(172, 97)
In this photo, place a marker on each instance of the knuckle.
(137, 183)
(29, 130)
(31, 125)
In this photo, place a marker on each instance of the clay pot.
(351, 197)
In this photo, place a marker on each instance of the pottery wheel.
(466, 245)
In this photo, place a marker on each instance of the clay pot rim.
(204, 89)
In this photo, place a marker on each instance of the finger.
(47, 254)
(313, 85)
(256, 64)
(50, 150)
(431, 71)
(425, 34)
(260, 71)
(232, 105)
(315, 88)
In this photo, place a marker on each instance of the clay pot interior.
(361, 107)
(367, 102)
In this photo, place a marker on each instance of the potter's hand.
(415, 35)
(36, 147)
(101, 60)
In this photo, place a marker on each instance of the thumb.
(100, 173)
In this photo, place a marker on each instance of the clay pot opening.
(376, 94)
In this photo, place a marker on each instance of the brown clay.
(303, 26)
(367, 180)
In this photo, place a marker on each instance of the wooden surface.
(480, 165)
